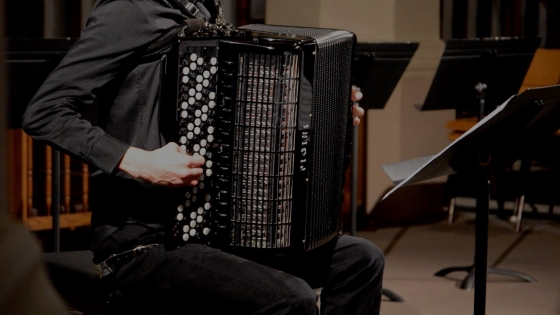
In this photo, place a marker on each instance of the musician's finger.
(357, 111)
(196, 160)
(356, 93)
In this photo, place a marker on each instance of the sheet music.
(429, 167)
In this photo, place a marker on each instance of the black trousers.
(197, 279)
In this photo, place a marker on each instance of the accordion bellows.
(270, 111)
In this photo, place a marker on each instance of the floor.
(415, 252)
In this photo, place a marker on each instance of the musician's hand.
(168, 166)
(357, 111)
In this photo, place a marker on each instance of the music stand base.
(468, 281)
(393, 297)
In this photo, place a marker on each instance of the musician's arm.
(87, 71)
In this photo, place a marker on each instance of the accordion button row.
(197, 105)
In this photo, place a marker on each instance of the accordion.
(269, 108)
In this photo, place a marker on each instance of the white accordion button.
(211, 95)
(183, 147)
(202, 151)
(193, 57)
(206, 74)
(180, 216)
(200, 61)
(194, 190)
(192, 92)
(209, 164)
(210, 129)
(201, 185)
(210, 138)
(207, 206)
(206, 231)
(199, 219)
(198, 113)
(187, 203)
(185, 237)
(205, 83)
(180, 208)
(213, 61)
(196, 130)
(203, 143)
(200, 210)
(184, 114)
(196, 147)
(204, 108)
(213, 70)
(186, 70)
(193, 66)
(185, 79)
(193, 215)
(199, 87)
(193, 232)
(199, 78)
(192, 101)
(204, 117)
(186, 228)
(183, 140)
(211, 104)
(198, 96)
(208, 173)
(197, 122)
(190, 135)
(208, 198)
(184, 105)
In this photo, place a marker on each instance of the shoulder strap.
(198, 9)
(165, 41)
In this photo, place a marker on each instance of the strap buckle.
(113, 262)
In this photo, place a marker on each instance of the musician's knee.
(299, 298)
(367, 257)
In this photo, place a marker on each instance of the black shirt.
(103, 69)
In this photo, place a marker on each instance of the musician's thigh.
(209, 280)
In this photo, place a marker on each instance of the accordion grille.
(264, 150)
(330, 125)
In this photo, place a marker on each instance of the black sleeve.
(114, 31)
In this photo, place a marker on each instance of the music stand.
(473, 77)
(502, 137)
(476, 72)
(377, 68)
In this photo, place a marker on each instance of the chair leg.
(519, 212)
(451, 211)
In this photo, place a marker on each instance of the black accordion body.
(269, 108)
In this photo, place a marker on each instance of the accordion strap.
(164, 42)
(198, 9)
(201, 15)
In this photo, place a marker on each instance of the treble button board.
(198, 70)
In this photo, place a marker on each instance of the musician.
(136, 172)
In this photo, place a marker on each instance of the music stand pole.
(354, 187)
(481, 236)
